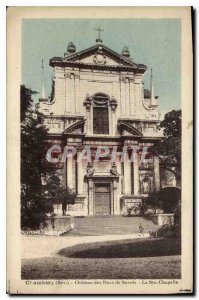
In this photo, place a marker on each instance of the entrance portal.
(102, 199)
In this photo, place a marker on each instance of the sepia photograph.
(100, 135)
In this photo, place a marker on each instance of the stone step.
(111, 225)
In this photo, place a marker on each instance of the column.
(64, 173)
(67, 93)
(110, 120)
(136, 176)
(113, 122)
(70, 172)
(116, 204)
(72, 93)
(132, 98)
(136, 100)
(76, 92)
(127, 96)
(127, 175)
(90, 197)
(156, 172)
(90, 124)
(89, 120)
(123, 96)
(80, 175)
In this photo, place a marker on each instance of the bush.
(177, 219)
(166, 199)
(169, 198)
(168, 231)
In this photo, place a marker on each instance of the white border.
(3, 4)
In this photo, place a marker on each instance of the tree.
(166, 199)
(169, 198)
(177, 218)
(33, 166)
(40, 186)
(55, 192)
(26, 101)
(169, 145)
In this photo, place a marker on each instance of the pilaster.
(136, 176)
(127, 175)
(90, 197)
(156, 173)
(70, 172)
(80, 175)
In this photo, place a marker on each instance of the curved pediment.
(75, 128)
(127, 129)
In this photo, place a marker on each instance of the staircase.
(111, 225)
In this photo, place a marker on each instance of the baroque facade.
(98, 98)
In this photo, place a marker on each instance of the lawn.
(124, 249)
(126, 259)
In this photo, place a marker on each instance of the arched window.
(100, 114)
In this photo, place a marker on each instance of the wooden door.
(102, 199)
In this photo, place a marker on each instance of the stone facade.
(100, 82)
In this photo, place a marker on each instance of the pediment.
(75, 128)
(127, 129)
(99, 59)
(100, 55)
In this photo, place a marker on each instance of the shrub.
(166, 199)
(168, 231)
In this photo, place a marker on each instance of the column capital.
(79, 147)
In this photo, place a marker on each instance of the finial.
(71, 48)
(153, 102)
(125, 52)
(99, 39)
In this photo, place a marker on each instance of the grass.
(124, 249)
(109, 260)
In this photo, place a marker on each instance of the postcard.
(99, 150)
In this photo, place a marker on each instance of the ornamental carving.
(146, 165)
(99, 58)
(146, 183)
(88, 102)
(100, 100)
(113, 170)
(113, 103)
(89, 170)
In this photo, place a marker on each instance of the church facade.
(98, 100)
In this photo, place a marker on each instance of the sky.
(153, 42)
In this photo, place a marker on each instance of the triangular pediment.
(100, 55)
